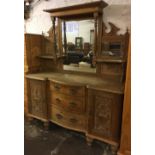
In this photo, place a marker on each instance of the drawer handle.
(58, 100)
(73, 104)
(57, 87)
(73, 120)
(59, 116)
(73, 91)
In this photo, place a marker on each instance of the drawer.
(69, 103)
(67, 89)
(66, 119)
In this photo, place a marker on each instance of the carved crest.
(113, 31)
(51, 34)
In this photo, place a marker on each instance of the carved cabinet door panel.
(37, 98)
(104, 114)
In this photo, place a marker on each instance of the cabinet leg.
(46, 125)
(89, 141)
(114, 149)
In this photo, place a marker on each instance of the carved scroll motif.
(114, 30)
(103, 115)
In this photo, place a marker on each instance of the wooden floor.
(58, 141)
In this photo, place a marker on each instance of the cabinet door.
(104, 115)
(37, 98)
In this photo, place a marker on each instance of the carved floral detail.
(37, 98)
(103, 115)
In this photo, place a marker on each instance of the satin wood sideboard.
(84, 102)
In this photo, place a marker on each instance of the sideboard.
(84, 102)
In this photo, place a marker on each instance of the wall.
(84, 30)
(118, 12)
(119, 15)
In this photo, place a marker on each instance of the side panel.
(37, 98)
(104, 115)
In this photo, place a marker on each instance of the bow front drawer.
(73, 90)
(72, 121)
(69, 103)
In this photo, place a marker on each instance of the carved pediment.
(114, 30)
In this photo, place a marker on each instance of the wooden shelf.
(111, 60)
(61, 57)
(50, 57)
(46, 57)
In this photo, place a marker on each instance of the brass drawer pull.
(73, 104)
(73, 120)
(59, 116)
(58, 100)
(57, 87)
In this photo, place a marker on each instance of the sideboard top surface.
(91, 82)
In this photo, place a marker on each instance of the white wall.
(84, 30)
(119, 15)
(118, 12)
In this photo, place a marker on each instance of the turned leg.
(89, 141)
(114, 149)
(46, 125)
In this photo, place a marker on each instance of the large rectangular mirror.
(78, 42)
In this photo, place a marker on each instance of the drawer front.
(69, 120)
(76, 104)
(68, 90)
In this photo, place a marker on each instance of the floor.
(58, 141)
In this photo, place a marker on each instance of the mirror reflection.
(78, 41)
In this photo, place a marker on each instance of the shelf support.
(65, 38)
(54, 32)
